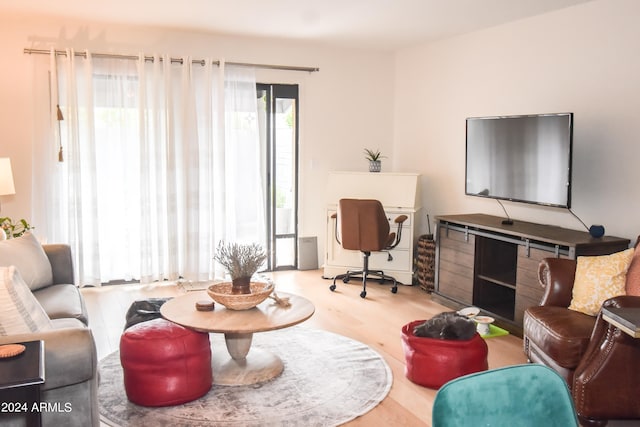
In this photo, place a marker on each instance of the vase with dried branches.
(241, 261)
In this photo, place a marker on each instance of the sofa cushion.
(26, 253)
(67, 323)
(599, 278)
(62, 301)
(562, 334)
(20, 312)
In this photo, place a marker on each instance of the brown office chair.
(362, 225)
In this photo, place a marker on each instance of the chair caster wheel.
(345, 280)
(363, 294)
(394, 290)
(332, 288)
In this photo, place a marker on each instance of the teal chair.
(529, 395)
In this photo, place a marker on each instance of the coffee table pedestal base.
(258, 366)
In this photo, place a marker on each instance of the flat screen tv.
(523, 158)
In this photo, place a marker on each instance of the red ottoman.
(164, 363)
(431, 362)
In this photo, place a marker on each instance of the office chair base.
(364, 276)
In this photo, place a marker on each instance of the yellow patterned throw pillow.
(599, 278)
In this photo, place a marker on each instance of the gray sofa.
(71, 372)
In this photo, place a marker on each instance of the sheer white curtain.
(244, 158)
(162, 161)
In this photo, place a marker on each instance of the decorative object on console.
(375, 164)
(596, 231)
(241, 262)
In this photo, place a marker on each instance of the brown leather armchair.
(362, 225)
(600, 362)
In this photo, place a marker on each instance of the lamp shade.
(6, 177)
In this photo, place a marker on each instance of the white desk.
(398, 193)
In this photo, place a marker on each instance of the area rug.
(328, 379)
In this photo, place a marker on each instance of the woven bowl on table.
(221, 293)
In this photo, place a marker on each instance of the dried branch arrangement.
(240, 260)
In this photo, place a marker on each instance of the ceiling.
(368, 24)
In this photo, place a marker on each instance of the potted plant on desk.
(374, 156)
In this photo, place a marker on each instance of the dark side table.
(626, 319)
(20, 380)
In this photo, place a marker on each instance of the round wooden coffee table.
(243, 364)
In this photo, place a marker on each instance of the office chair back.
(529, 395)
(363, 225)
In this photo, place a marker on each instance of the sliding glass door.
(278, 113)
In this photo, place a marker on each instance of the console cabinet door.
(455, 266)
(529, 291)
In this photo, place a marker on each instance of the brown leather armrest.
(606, 380)
(400, 219)
(556, 276)
(601, 325)
(622, 301)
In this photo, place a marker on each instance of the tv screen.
(520, 158)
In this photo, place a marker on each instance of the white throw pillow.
(20, 312)
(26, 253)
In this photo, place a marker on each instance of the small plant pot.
(241, 285)
(375, 165)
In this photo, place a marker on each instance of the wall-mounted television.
(525, 158)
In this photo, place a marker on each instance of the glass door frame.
(273, 92)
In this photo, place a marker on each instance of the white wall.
(582, 59)
(345, 107)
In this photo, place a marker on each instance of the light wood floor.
(376, 321)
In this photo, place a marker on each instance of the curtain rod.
(177, 60)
